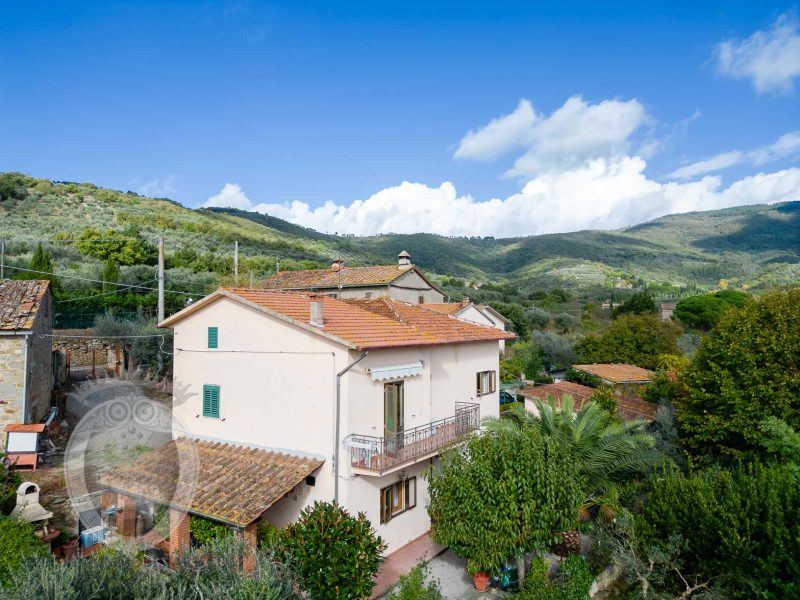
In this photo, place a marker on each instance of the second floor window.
(213, 337)
(486, 382)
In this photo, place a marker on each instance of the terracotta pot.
(481, 581)
(70, 548)
(58, 551)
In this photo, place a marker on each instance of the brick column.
(178, 534)
(126, 520)
(250, 537)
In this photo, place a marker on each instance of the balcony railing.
(378, 455)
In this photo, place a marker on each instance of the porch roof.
(222, 481)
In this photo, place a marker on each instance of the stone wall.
(40, 363)
(84, 353)
(12, 379)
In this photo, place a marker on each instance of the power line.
(100, 337)
(102, 294)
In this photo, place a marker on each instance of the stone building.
(26, 376)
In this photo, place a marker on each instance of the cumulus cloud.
(230, 196)
(502, 134)
(784, 146)
(602, 193)
(770, 59)
(159, 187)
(575, 132)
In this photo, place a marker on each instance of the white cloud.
(502, 134)
(159, 187)
(231, 196)
(771, 59)
(576, 132)
(602, 193)
(784, 146)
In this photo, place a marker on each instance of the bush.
(17, 542)
(738, 526)
(573, 582)
(557, 351)
(412, 586)
(604, 398)
(205, 531)
(641, 303)
(704, 312)
(582, 377)
(336, 554)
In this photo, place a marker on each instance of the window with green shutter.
(213, 337)
(211, 401)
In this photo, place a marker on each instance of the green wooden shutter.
(213, 337)
(211, 401)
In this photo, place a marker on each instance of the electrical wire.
(103, 293)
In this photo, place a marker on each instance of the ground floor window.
(486, 382)
(398, 498)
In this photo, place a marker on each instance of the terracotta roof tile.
(20, 301)
(617, 372)
(327, 278)
(632, 409)
(446, 308)
(234, 483)
(365, 324)
(580, 393)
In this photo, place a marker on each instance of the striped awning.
(396, 371)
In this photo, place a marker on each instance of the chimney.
(316, 311)
(465, 301)
(404, 259)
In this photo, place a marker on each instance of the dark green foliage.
(641, 303)
(663, 387)
(212, 571)
(704, 312)
(206, 531)
(152, 354)
(746, 369)
(516, 314)
(537, 317)
(412, 586)
(557, 351)
(604, 398)
(13, 186)
(110, 274)
(583, 378)
(9, 482)
(573, 581)
(503, 495)
(336, 554)
(16, 543)
(42, 264)
(738, 525)
(635, 339)
(781, 441)
(566, 323)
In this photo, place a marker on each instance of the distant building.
(665, 310)
(617, 373)
(630, 408)
(474, 313)
(403, 281)
(26, 375)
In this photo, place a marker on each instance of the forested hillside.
(85, 228)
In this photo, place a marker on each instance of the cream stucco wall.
(277, 391)
(411, 286)
(473, 315)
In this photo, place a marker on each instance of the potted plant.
(70, 548)
(480, 581)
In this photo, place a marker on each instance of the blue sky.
(501, 118)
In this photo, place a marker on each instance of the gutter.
(336, 434)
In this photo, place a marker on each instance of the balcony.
(370, 455)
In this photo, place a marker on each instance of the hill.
(754, 246)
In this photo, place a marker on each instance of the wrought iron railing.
(380, 454)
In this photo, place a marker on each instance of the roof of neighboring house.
(446, 308)
(580, 393)
(617, 372)
(235, 484)
(628, 408)
(328, 278)
(453, 308)
(357, 323)
(20, 300)
(493, 314)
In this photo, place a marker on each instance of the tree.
(745, 370)
(557, 351)
(525, 360)
(110, 274)
(42, 263)
(514, 313)
(125, 247)
(704, 312)
(502, 495)
(566, 322)
(636, 339)
(336, 554)
(641, 303)
(538, 317)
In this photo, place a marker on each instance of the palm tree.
(607, 452)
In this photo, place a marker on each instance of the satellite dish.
(335, 267)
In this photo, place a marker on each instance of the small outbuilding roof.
(617, 372)
(234, 484)
(581, 394)
(20, 301)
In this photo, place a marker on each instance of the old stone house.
(26, 318)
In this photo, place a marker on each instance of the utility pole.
(251, 278)
(236, 262)
(160, 278)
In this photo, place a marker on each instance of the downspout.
(336, 429)
(26, 341)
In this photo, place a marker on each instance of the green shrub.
(573, 581)
(412, 586)
(206, 531)
(336, 555)
(604, 398)
(16, 543)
